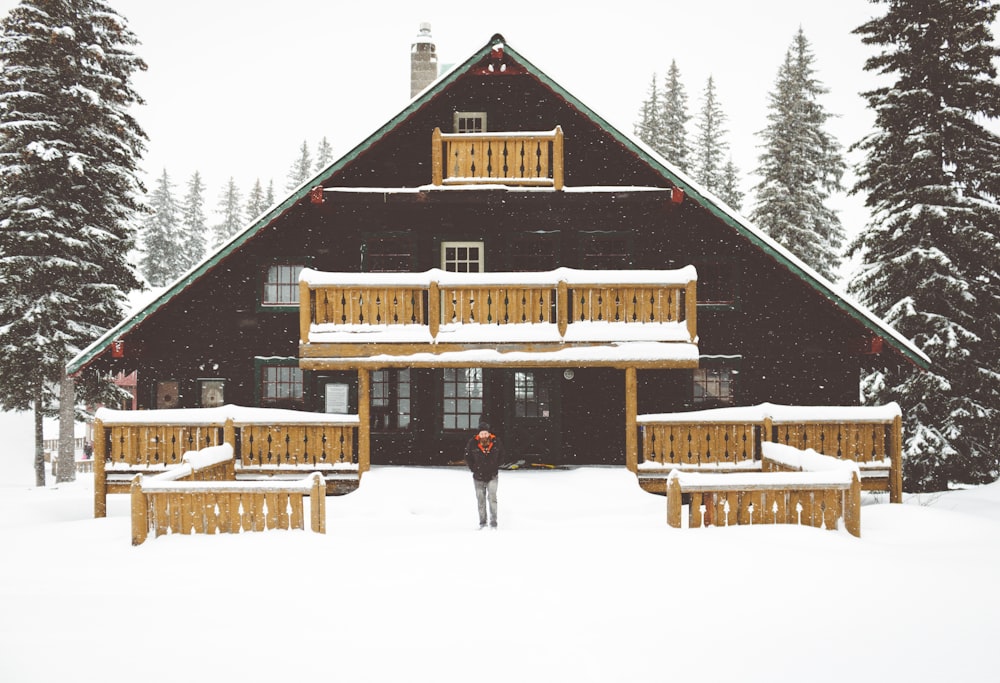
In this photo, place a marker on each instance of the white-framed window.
(463, 398)
(281, 285)
(470, 122)
(462, 257)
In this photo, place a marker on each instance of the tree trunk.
(67, 421)
(39, 444)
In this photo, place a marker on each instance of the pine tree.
(801, 164)
(301, 170)
(194, 226)
(324, 154)
(269, 197)
(256, 203)
(649, 126)
(162, 256)
(930, 254)
(730, 191)
(710, 146)
(674, 119)
(69, 189)
(231, 212)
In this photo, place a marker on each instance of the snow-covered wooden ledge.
(729, 440)
(345, 315)
(270, 444)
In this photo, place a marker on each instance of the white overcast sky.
(233, 88)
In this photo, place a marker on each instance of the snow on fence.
(795, 487)
(268, 443)
(194, 497)
(730, 440)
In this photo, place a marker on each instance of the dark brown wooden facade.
(771, 329)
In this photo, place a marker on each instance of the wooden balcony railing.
(563, 305)
(532, 158)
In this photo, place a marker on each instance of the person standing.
(483, 454)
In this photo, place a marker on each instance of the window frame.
(463, 244)
(262, 286)
(261, 367)
(715, 365)
(472, 417)
(472, 115)
(397, 384)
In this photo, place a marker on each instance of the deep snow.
(584, 581)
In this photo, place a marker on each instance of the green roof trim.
(868, 320)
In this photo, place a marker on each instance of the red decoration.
(118, 348)
(316, 195)
(871, 346)
(676, 195)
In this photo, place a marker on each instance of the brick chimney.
(423, 60)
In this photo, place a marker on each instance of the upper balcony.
(533, 159)
(563, 317)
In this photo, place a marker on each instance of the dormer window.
(470, 122)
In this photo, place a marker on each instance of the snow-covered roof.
(670, 174)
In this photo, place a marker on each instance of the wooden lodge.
(499, 251)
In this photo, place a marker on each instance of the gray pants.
(482, 489)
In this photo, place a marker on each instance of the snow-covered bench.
(269, 445)
(795, 487)
(200, 496)
(729, 440)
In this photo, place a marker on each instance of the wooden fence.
(524, 158)
(267, 444)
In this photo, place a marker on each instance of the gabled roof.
(675, 177)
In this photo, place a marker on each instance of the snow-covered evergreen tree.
(649, 126)
(324, 154)
(69, 189)
(674, 119)
(256, 203)
(730, 191)
(301, 170)
(194, 225)
(800, 165)
(710, 146)
(162, 251)
(269, 196)
(230, 211)
(929, 259)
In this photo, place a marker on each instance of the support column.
(364, 428)
(631, 427)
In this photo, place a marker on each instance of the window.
(211, 392)
(604, 250)
(463, 398)
(281, 285)
(389, 254)
(390, 399)
(714, 387)
(462, 257)
(280, 384)
(470, 122)
(531, 399)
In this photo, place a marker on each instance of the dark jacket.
(484, 459)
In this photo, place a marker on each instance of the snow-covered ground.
(584, 581)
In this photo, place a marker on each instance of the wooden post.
(852, 507)
(631, 425)
(437, 166)
(896, 460)
(140, 519)
(100, 471)
(434, 308)
(317, 504)
(305, 312)
(557, 159)
(691, 309)
(674, 502)
(364, 426)
(562, 307)
(229, 437)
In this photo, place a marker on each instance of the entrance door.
(534, 416)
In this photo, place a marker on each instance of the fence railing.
(530, 158)
(562, 305)
(729, 439)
